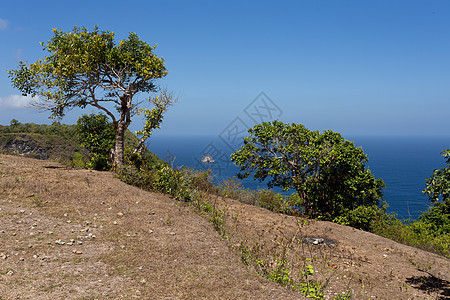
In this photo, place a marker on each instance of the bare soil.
(79, 234)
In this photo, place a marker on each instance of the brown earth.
(80, 234)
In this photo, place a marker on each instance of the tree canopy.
(327, 171)
(89, 68)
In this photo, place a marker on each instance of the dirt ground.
(80, 234)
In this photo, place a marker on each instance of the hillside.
(56, 142)
(72, 234)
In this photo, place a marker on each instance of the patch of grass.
(287, 265)
(416, 233)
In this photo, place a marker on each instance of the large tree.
(89, 68)
(327, 171)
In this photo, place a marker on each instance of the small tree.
(89, 68)
(327, 171)
(153, 117)
(437, 188)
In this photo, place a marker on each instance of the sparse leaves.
(438, 185)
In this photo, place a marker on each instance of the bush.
(200, 180)
(362, 217)
(143, 179)
(96, 134)
(231, 188)
(172, 182)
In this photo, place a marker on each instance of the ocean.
(402, 162)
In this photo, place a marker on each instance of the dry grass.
(137, 244)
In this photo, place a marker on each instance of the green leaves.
(96, 134)
(85, 68)
(327, 171)
(82, 67)
(438, 185)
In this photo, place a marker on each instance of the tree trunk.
(119, 145)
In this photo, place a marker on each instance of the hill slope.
(69, 234)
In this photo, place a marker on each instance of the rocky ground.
(80, 234)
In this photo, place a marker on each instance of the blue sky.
(356, 67)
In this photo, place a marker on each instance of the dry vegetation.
(80, 234)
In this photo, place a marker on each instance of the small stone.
(141, 268)
(143, 281)
(22, 211)
(80, 243)
(10, 272)
(120, 214)
(115, 222)
(65, 215)
(30, 246)
(172, 233)
(77, 251)
(68, 221)
(150, 231)
(21, 258)
(122, 246)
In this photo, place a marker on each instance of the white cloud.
(3, 24)
(18, 54)
(16, 101)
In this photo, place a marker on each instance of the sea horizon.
(403, 162)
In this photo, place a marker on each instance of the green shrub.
(144, 179)
(96, 134)
(273, 201)
(362, 217)
(172, 182)
(77, 160)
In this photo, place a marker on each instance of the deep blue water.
(402, 162)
